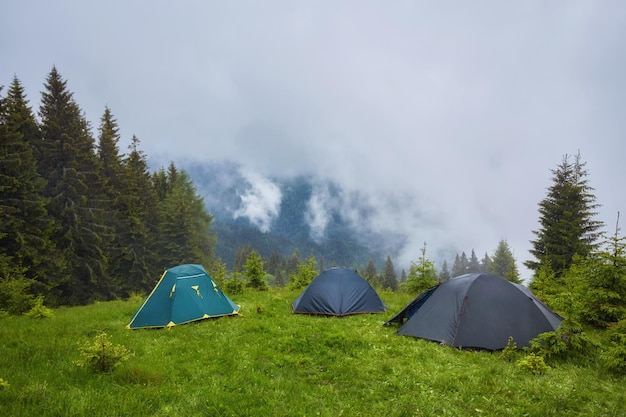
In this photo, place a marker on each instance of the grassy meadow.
(269, 362)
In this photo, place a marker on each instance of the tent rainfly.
(476, 311)
(338, 292)
(184, 293)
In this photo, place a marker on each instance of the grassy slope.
(269, 362)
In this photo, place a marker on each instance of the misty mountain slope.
(281, 215)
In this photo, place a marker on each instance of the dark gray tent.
(338, 292)
(476, 311)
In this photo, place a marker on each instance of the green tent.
(184, 293)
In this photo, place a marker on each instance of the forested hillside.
(288, 229)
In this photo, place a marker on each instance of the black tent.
(338, 292)
(476, 311)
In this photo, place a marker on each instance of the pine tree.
(273, 265)
(605, 282)
(567, 225)
(502, 263)
(240, 258)
(185, 232)
(389, 276)
(371, 274)
(422, 275)
(473, 265)
(444, 274)
(460, 266)
(484, 263)
(76, 194)
(26, 249)
(113, 175)
(306, 272)
(254, 272)
(138, 265)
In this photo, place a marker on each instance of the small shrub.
(15, 297)
(510, 350)
(233, 286)
(40, 311)
(563, 343)
(3, 384)
(614, 358)
(102, 355)
(533, 363)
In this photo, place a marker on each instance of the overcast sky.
(447, 115)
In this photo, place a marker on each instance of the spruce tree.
(185, 232)
(422, 275)
(371, 274)
(389, 276)
(444, 274)
(604, 282)
(567, 224)
(26, 249)
(484, 263)
(113, 175)
(138, 265)
(254, 272)
(473, 264)
(502, 263)
(76, 194)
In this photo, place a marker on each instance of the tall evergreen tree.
(484, 263)
(473, 264)
(240, 258)
(371, 274)
(444, 274)
(389, 276)
(26, 229)
(114, 176)
(76, 194)
(567, 224)
(502, 263)
(460, 266)
(138, 265)
(273, 265)
(185, 232)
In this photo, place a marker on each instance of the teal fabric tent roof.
(184, 293)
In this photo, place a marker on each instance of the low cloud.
(260, 203)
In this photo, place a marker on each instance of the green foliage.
(4, 384)
(422, 275)
(510, 350)
(502, 263)
(564, 343)
(102, 355)
(15, 297)
(279, 364)
(533, 363)
(306, 273)
(614, 356)
(604, 278)
(567, 225)
(233, 286)
(371, 274)
(254, 272)
(39, 310)
(389, 276)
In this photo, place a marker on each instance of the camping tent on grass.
(184, 293)
(476, 311)
(338, 292)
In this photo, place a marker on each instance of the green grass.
(269, 362)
